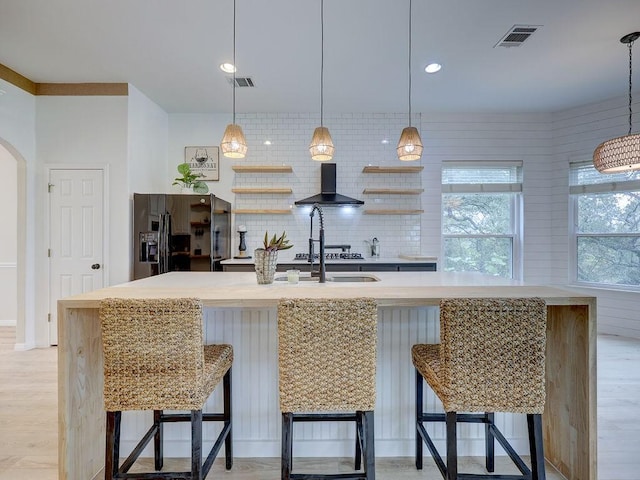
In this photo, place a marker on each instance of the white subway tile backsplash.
(358, 140)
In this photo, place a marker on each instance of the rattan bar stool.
(491, 358)
(327, 365)
(154, 359)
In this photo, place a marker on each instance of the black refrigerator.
(179, 233)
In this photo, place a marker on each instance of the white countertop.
(240, 289)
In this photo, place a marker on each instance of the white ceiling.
(171, 50)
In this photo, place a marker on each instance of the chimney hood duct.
(328, 196)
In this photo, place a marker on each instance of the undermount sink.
(301, 279)
(353, 278)
(335, 278)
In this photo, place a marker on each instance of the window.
(481, 203)
(606, 226)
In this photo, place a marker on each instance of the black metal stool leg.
(419, 412)
(287, 445)
(534, 422)
(490, 442)
(196, 444)
(452, 446)
(368, 449)
(359, 439)
(112, 450)
(157, 440)
(228, 445)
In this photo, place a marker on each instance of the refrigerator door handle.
(163, 240)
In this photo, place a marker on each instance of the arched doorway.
(13, 240)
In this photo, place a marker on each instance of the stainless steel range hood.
(328, 196)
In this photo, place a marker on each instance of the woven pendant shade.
(233, 144)
(618, 154)
(621, 153)
(321, 147)
(410, 145)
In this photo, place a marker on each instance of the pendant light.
(233, 144)
(621, 153)
(410, 145)
(321, 147)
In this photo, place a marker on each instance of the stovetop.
(331, 256)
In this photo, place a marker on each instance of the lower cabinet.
(346, 267)
(238, 268)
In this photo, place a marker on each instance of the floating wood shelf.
(393, 191)
(262, 211)
(196, 205)
(200, 257)
(261, 190)
(393, 212)
(262, 168)
(372, 169)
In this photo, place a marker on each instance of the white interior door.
(76, 204)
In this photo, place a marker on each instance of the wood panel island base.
(241, 312)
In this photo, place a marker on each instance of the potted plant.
(189, 180)
(266, 258)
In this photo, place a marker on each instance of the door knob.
(95, 266)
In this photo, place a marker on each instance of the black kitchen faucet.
(321, 273)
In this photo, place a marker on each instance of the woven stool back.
(327, 354)
(153, 354)
(492, 354)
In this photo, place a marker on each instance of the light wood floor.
(28, 421)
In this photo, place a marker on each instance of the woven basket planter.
(265, 263)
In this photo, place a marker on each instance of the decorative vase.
(265, 264)
(187, 190)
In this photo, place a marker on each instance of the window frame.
(516, 208)
(593, 188)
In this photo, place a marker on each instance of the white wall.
(83, 131)
(576, 134)
(17, 135)
(8, 238)
(148, 141)
(481, 136)
(198, 130)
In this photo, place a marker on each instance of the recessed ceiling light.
(384, 141)
(227, 67)
(433, 68)
(267, 142)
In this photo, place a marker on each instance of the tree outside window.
(606, 235)
(480, 205)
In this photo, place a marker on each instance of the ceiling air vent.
(517, 35)
(242, 81)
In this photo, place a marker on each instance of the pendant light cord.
(234, 62)
(630, 84)
(321, 62)
(410, 62)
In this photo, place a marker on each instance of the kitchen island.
(241, 312)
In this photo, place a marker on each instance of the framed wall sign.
(203, 161)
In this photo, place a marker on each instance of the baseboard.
(7, 323)
(22, 347)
